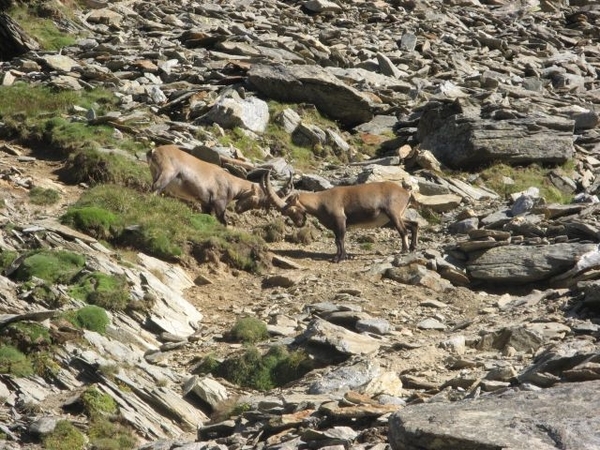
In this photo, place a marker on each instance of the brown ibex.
(363, 206)
(188, 178)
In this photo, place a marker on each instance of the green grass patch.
(23, 100)
(64, 437)
(41, 115)
(14, 362)
(36, 18)
(105, 434)
(276, 368)
(279, 142)
(91, 317)
(44, 365)
(97, 222)
(96, 404)
(41, 196)
(6, 259)
(53, 266)
(497, 178)
(162, 227)
(249, 330)
(107, 291)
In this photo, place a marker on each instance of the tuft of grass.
(41, 196)
(105, 434)
(96, 404)
(208, 364)
(241, 139)
(276, 368)
(24, 101)
(230, 407)
(44, 365)
(6, 259)
(249, 330)
(431, 216)
(163, 227)
(524, 177)
(90, 317)
(304, 235)
(14, 362)
(53, 266)
(107, 291)
(64, 437)
(97, 222)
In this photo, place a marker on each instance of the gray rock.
(457, 135)
(515, 420)
(206, 388)
(524, 264)
(345, 378)
(232, 111)
(44, 425)
(322, 333)
(312, 84)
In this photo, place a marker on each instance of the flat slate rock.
(563, 417)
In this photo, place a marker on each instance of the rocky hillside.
(484, 337)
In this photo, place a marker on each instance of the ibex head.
(254, 198)
(290, 206)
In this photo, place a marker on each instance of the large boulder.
(463, 136)
(559, 417)
(313, 85)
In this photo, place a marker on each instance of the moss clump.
(97, 222)
(13, 362)
(107, 291)
(249, 330)
(263, 372)
(44, 365)
(38, 20)
(53, 266)
(108, 435)
(64, 437)
(90, 317)
(96, 404)
(41, 196)
(6, 259)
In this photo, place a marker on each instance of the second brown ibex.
(188, 178)
(341, 207)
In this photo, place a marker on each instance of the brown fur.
(188, 178)
(342, 207)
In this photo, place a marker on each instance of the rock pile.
(439, 86)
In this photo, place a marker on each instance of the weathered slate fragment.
(13, 39)
(312, 84)
(461, 136)
(524, 264)
(559, 417)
